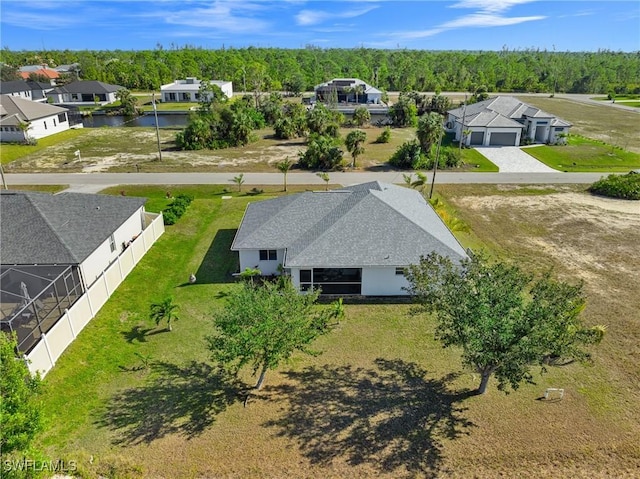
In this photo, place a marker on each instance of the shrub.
(385, 136)
(626, 187)
(176, 209)
(409, 155)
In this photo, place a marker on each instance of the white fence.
(52, 344)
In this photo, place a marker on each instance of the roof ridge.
(272, 218)
(323, 224)
(51, 227)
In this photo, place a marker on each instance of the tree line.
(299, 70)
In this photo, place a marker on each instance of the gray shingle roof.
(372, 224)
(26, 110)
(14, 86)
(506, 106)
(88, 87)
(39, 228)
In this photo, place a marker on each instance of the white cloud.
(313, 17)
(222, 16)
(490, 13)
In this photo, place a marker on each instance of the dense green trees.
(323, 153)
(504, 320)
(265, 69)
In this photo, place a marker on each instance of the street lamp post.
(155, 113)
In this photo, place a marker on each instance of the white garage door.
(504, 139)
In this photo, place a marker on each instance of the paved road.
(511, 159)
(94, 182)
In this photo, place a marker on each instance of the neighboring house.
(17, 88)
(505, 121)
(22, 119)
(81, 92)
(343, 90)
(63, 255)
(188, 90)
(29, 90)
(354, 241)
(51, 75)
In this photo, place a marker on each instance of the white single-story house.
(84, 92)
(22, 119)
(63, 255)
(356, 240)
(188, 90)
(505, 121)
(347, 90)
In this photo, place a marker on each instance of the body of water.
(174, 120)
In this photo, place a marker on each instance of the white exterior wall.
(383, 281)
(554, 135)
(376, 281)
(533, 125)
(102, 257)
(27, 95)
(47, 126)
(251, 259)
(45, 354)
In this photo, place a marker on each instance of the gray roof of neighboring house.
(16, 110)
(14, 86)
(40, 228)
(88, 87)
(506, 106)
(372, 224)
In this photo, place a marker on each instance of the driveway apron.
(511, 159)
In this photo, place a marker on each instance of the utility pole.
(464, 113)
(4, 181)
(155, 113)
(435, 164)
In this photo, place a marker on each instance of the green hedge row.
(626, 187)
(176, 209)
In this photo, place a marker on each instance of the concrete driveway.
(511, 159)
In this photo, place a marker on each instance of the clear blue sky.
(418, 24)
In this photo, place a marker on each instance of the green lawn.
(384, 399)
(11, 152)
(585, 155)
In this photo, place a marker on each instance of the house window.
(45, 124)
(332, 280)
(54, 122)
(75, 96)
(62, 117)
(112, 243)
(399, 271)
(558, 128)
(542, 122)
(268, 255)
(172, 96)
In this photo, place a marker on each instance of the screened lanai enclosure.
(34, 298)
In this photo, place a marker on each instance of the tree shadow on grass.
(140, 334)
(219, 261)
(391, 417)
(177, 399)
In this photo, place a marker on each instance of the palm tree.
(325, 178)
(165, 310)
(430, 128)
(354, 142)
(24, 127)
(357, 90)
(284, 166)
(239, 180)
